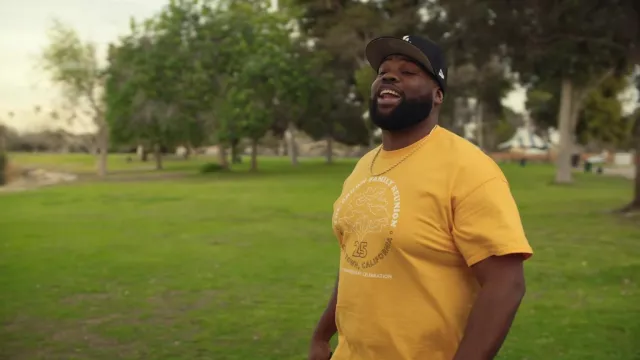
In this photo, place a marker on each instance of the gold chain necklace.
(422, 142)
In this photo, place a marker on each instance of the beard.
(406, 114)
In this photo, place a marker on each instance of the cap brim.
(379, 49)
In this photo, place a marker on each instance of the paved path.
(627, 172)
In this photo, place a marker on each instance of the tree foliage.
(203, 72)
(576, 43)
(600, 121)
(218, 72)
(72, 64)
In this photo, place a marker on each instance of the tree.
(307, 93)
(228, 43)
(364, 77)
(141, 91)
(152, 76)
(199, 72)
(73, 64)
(578, 42)
(634, 205)
(342, 28)
(275, 83)
(600, 122)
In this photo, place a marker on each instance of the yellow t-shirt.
(408, 238)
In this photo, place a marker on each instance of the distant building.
(526, 140)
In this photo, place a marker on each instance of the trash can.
(587, 166)
(575, 160)
(523, 162)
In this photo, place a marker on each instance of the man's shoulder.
(365, 160)
(471, 164)
(465, 151)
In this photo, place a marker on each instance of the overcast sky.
(23, 27)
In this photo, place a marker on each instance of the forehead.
(399, 59)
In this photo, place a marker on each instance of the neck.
(399, 139)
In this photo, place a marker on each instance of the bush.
(4, 166)
(211, 168)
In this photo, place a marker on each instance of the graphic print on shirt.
(367, 216)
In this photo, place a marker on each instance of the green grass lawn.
(240, 266)
(85, 164)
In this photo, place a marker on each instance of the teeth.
(386, 91)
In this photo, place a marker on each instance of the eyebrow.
(402, 58)
(408, 60)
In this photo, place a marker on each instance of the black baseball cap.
(422, 50)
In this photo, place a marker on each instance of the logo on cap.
(441, 74)
(406, 38)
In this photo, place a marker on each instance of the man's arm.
(502, 288)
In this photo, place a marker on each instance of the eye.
(407, 72)
(381, 73)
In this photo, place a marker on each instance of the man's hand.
(319, 350)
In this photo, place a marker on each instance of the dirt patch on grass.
(26, 179)
(106, 333)
(175, 303)
(147, 176)
(75, 334)
(83, 298)
(31, 338)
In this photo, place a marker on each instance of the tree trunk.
(141, 152)
(235, 155)
(565, 146)
(571, 100)
(329, 154)
(102, 151)
(254, 155)
(188, 150)
(635, 202)
(157, 154)
(222, 156)
(4, 161)
(290, 136)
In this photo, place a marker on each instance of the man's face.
(403, 94)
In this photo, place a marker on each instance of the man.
(432, 246)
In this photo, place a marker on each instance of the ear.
(438, 97)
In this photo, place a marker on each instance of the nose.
(389, 77)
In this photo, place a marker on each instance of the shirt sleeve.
(487, 223)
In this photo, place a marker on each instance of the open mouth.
(388, 97)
